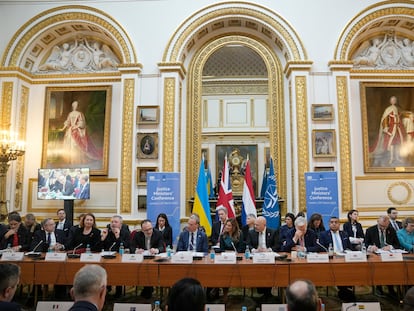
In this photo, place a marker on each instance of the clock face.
(235, 161)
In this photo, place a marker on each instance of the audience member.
(186, 295)
(393, 214)
(31, 225)
(300, 238)
(406, 234)
(9, 279)
(192, 238)
(283, 231)
(301, 295)
(408, 301)
(89, 288)
(164, 227)
(316, 224)
(218, 226)
(84, 235)
(354, 230)
(16, 235)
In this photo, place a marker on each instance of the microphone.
(234, 247)
(38, 244)
(113, 244)
(73, 255)
(33, 253)
(324, 248)
(351, 306)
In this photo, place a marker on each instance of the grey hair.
(88, 281)
(300, 221)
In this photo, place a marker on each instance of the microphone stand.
(73, 255)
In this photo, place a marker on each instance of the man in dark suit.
(393, 214)
(263, 239)
(218, 226)
(340, 242)
(48, 237)
(63, 224)
(301, 238)
(89, 288)
(192, 238)
(84, 191)
(147, 240)
(382, 237)
(9, 280)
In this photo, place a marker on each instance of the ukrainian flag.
(201, 204)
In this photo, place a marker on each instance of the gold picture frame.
(147, 145)
(148, 115)
(388, 145)
(142, 174)
(322, 112)
(76, 128)
(324, 169)
(324, 143)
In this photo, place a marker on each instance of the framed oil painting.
(324, 169)
(323, 143)
(142, 174)
(148, 115)
(237, 156)
(142, 203)
(322, 112)
(76, 128)
(388, 126)
(147, 147)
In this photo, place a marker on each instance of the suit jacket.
(201, 241)
(372, 237)
(83, 306)
(41, 235)
(9, 306)
(272, 239)
(310, 241)
(66, 227)
(215, 233)
(84, 192)
(226, 240)
(69, 189)
(156, 241)
(23, 235)
(326, 238)
(124, 238)
(399, 224)
(77, 237)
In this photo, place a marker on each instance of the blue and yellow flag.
(201, 204)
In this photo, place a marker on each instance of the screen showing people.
(63, 184)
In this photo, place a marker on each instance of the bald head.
(301, 295)
(260, 224)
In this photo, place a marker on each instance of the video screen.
(63, 184)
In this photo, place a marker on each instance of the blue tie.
(192, 241)
(338, 243)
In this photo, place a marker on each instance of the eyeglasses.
(147, 230)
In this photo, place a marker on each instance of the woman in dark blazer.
(354, 230)
(164, 227)
(86, 234)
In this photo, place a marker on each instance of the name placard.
(132, 258)
(12, 256)
(356, 256)
(55, 257)
(316, 257)
(89, 257)
(389, 257)
(225, 258)
(182, 257)
(268, 258)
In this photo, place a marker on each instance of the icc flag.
(271, 210)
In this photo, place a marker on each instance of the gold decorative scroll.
(168, 125)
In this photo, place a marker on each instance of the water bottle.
(168, 251)
(50, 249)
(244, 308)
(9, 248)
(330, 250)
(363, 249)
(212, 254)
(157, 306)
(247, 253)
(121, 249)
(88, 249)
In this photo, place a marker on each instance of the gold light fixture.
(10, 149)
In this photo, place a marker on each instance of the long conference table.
(243, 274)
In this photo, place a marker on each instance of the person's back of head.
(90, 285)
(301, 295)
(408, 301)
(186, 295)
(9, 279)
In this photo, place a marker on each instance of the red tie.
(15, 240)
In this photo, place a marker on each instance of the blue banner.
(163, 196)
(322, 195)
